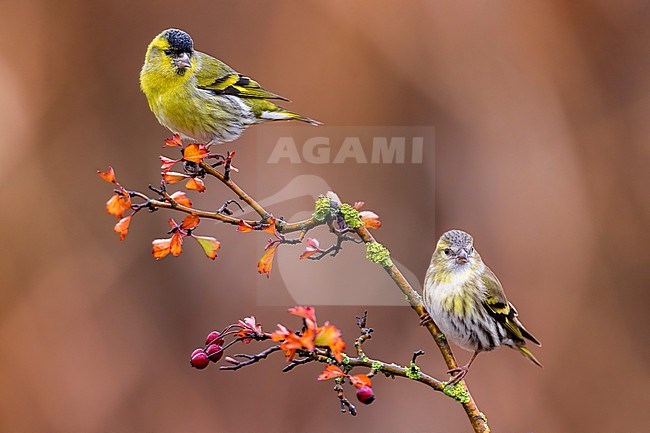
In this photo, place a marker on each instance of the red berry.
(365, 395)
(214, 352)
(214, 337)
(199, 359)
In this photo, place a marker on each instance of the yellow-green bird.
(201, 98)
(467, 302)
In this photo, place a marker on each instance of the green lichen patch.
(323, 209)
(457, 392)
(377, 253)
(376, 366)
(350, 215)
(413, 371)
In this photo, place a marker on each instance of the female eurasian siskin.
(201, 98)
(465, 299)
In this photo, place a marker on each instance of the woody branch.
(341, 218)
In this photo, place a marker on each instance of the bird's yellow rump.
(201, 98)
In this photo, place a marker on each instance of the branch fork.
(344, 220)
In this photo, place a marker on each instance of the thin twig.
(345, 403)
(224, 207)
(235, 188)
(389, 369)
(249, 359)
(296, 362)
(476, 418)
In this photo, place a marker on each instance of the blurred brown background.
(541, 114)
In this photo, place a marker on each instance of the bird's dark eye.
(447, 251)
(168, 52)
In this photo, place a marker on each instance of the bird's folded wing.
(498, 306)
(503, 311)
(221, 79)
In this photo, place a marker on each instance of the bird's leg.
(425, 319)
(460, 372)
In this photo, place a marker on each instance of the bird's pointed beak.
(183, 60)
(462, 257)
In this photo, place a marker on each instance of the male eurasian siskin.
(201, 98)
(465, 299)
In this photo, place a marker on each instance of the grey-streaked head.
(456, 248)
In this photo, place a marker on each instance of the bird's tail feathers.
(528, 354)
(280, 113)
(302, 118)
(528, 335)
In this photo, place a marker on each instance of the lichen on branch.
(377, 253)
(323, 344)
